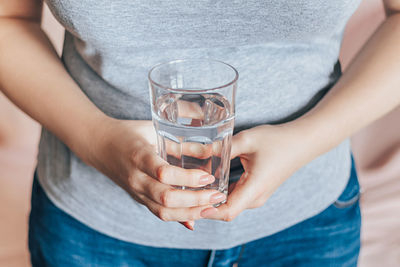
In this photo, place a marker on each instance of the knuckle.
(259, 203)
(161, 171)
(229, 216)
(165, 198)
(146, 156)
(136, 155)
(192, 216)
(163, 214)
(132, 181)
(244, 138)
(142, 158)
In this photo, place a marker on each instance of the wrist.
(317, 136)
(84, 139)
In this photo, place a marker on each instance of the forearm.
(368, 89)
(33, 77)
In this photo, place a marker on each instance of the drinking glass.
(193, 111)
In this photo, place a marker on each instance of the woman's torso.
(285, 52)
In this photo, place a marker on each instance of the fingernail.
(208, 212)
(189, 225)
(206, 179)
(217, 198)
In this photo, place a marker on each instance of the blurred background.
(376, 150)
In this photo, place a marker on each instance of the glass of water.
(193, 111)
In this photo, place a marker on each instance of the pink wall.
(377, 154)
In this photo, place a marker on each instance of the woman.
(100, 185)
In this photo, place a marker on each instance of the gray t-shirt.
(285, 52)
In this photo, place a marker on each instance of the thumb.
(239, 145)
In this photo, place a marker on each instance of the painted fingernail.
(189, 225)
(217, 198)
(206, 179)
(208, 212)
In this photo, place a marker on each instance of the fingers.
(170, 197)
(188, 109)
(173, 214)
(245, 142)
(238, 200)
(157, 168)
(189, 149)
(189, 225)
(239, 145)
(173, 175)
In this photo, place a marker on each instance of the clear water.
(194, 132)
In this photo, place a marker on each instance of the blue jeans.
(331, 238)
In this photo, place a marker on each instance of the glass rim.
(191, 90)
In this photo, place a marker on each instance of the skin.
(32, 76)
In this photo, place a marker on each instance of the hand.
(269, 155)
(125, 151)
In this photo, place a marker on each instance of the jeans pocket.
(351, 194)
(343, 204)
